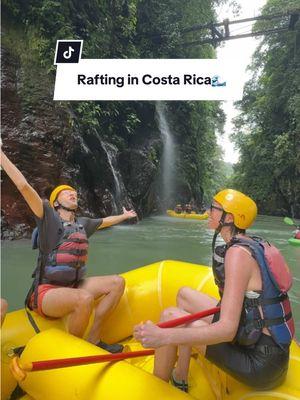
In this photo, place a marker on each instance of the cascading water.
(111, 152)
(168, 157)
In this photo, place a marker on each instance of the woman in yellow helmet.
(250, 337)
(60, 288)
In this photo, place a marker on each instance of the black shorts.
(262, 366)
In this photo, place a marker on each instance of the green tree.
(267, 132)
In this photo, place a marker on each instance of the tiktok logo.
(68, 54)
(68, 51)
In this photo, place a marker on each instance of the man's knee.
(3, 309)
(118, 283)
(4, 306)
(84, 300)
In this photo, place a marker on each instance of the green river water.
(125, 247)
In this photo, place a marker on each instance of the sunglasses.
(213, 207)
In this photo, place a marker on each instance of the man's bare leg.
(112, 287)
(3, 309)
(77, 304)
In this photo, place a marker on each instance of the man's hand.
(129, 213)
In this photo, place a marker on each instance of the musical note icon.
(68, 53)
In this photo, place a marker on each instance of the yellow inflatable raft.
(149, 290)
(193, 215)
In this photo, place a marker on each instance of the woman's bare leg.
(189, 301)
(192, 301)
(184, 355)
(166, 356)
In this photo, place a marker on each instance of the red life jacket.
(65, 264)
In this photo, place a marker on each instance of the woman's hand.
(150, 335)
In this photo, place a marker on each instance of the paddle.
(289, 221)
(19, 369)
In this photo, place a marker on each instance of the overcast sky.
(240, 50)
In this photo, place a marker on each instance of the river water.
(125, 247)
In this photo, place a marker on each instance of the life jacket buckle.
(259, 323)
(252, 302)
(266, 349)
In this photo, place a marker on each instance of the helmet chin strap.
(219, 228)
(65, 208)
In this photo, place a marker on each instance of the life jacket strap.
(264, 302)
(74, 252)
(32, 321)
(77, 240)
(73, 264)
(266, 323)
(73, 284)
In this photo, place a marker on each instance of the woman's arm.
(30, 195)
(237, 275)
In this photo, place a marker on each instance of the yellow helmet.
(242, 207)
(55, 192)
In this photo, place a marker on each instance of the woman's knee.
(171, 313)
(184, 294)
(197, 324)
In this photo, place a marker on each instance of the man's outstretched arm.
(30, 195)
(116, 219)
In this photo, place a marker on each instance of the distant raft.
(192, 215)
(294, 242)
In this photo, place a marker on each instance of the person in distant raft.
(188, 208)
(178, 209)
(250, 337)
(60, 288)
(297, 233)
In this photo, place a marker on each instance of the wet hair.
(235, 230)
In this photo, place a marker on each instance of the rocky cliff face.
(43, 139)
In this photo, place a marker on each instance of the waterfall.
(111, 152)
(168, 156)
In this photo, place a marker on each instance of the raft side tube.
(109, 381)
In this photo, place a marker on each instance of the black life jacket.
(273, 299)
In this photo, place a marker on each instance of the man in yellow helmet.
(60, 287)
(250, 337)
